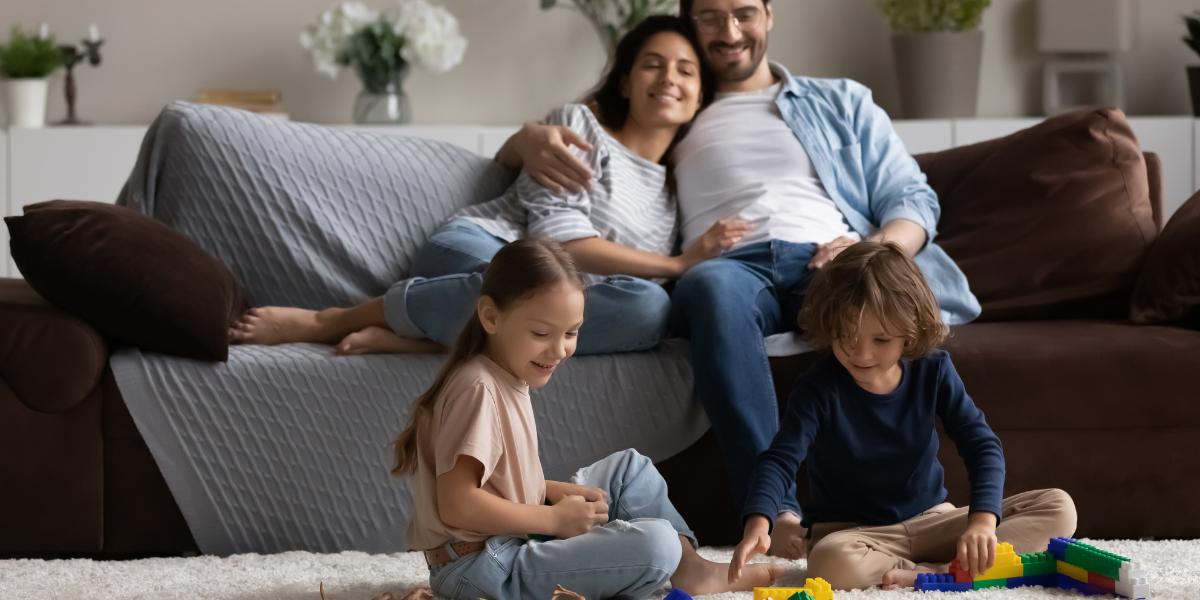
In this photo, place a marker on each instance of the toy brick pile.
(814, 589)
(1067, 564)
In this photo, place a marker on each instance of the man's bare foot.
(271, 325)
(787, 538)
(903, 578)
(377, 340)
(698, 576)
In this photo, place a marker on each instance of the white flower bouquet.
(376, 44)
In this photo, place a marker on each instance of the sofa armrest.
(49, 359)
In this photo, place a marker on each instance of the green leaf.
(29, 57)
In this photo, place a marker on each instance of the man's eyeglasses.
(712, 21)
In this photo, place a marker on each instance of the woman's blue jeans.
(621, 314)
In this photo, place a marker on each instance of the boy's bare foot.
(377, 340)
(903, 578)
(787, 538)
(698, 576)
(271, 325)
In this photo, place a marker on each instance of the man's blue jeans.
(621, 314)
(727, 306)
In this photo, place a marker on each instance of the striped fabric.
(628, 203)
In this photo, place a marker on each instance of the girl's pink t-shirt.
(484, 412)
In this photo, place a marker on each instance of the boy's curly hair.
(877, 277)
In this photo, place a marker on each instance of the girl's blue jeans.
(630, 557)
(621, 314)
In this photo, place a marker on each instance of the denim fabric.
(621, 313)
(727, 306)
(630, 557)
(869, 174)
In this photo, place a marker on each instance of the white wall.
(522, 61)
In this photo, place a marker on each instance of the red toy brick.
(1101, 581)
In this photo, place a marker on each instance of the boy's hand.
(575, 515)
(977, 546)
(755, 540)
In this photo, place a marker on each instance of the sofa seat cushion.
(1079, 374)
(131, 277)
(1049, 220)
(1168, 288)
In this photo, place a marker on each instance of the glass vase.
(382, 100)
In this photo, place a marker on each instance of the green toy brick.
(1040, 563)
(801, 595)
(1095, 560)
(990, 583)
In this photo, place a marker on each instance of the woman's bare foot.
(271, 325)
(787, 539)
(903, 578)
(698, 576)
(377, 340)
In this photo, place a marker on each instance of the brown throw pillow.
(131, 277)
(1168, 289)
(1050, 222)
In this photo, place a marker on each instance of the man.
(800, 169)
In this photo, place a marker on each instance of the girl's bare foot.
(271, 325)
(787, 539)
(698, 576)
(377, 340)
(903, 578)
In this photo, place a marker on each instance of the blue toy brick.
(1047, 580)
(935, 582)
(677, 594)
(1058, 547)
(1067, 582)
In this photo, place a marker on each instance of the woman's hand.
(576, 515)
(827, 252)
(717, 239)
(756, 539)
(545, 154)
(977, 546)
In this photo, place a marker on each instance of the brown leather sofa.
(1104, 409)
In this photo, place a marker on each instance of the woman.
(621, 232)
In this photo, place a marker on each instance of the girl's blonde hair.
(877, 277)
(516, 273)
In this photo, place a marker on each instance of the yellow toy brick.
(1007, 564)
(818, 588)
(1072, 571)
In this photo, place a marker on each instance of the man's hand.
(827, 252)
(546, 156)
(977, 546)
(756, 539)
(717, 239)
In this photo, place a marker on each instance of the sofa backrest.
(303, 215)
(1050, 222)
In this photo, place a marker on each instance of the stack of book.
(263, 102)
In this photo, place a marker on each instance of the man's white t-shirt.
(741, 159)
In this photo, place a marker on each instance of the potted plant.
(612, 19)
(25, 62)
(381, 47)
(938, 48)
(1193, 41)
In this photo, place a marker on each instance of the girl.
(471, 445)
(621, 231)
(864, 419)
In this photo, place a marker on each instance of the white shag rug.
(1173, 567)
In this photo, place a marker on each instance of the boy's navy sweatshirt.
(872, 458)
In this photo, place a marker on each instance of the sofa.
(1082, 398)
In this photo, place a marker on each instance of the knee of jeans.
(653, 306)
(709, 282)
(838, 559)
(661, 545)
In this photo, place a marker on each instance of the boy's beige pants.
(850, 556)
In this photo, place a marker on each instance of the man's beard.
(734, 73)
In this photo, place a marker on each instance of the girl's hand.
(717, 239)
(575, 515)
(557, 490)
(755, 540)
(977, 546)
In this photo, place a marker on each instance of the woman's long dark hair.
(612, 107)
(517, 272)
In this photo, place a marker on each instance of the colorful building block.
(1102, 582)
(960, 574)
(1069, 583)
(981, 584)
(940, 582)
(1047, 580)
(820, 589)
(801, 595)
(677, 594)
(1007, 564)
(1058, 547)
(1094, 559)
(1138, 589)
(814, 589)
(1131, 569)
(775, 593)
(1073, 572)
